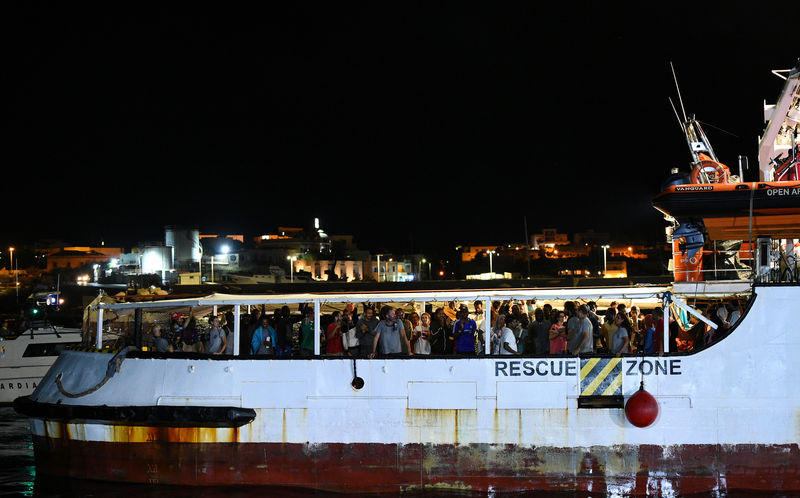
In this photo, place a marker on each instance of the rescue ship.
(709, 203)
(715, 418)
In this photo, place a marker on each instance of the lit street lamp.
(225, 250)
(604, 259)
(16, 274)
(491, 271)
(419, 268)
(291, 259)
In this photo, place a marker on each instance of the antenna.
(677, 116)
(680, 99)
(527, 245)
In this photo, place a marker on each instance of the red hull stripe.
(391, 468)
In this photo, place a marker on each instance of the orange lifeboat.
(736, 211)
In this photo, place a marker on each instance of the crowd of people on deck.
(384, 331)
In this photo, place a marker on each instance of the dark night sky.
(407, 126)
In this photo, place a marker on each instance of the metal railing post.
(487, 325)
(99, 338)
(237, 328)
(316, 328)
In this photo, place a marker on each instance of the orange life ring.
(715, 172)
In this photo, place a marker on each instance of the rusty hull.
(174, 456)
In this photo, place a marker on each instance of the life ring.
(714, 171)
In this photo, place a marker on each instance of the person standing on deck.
(572, 322)
(517, 314)
(547, 309)
(250, 322)
(349, 327)
(161, 345)
(389, 334)
(635, 332)
(493, 313)
(307, 327)
(365, 332)
(478, 314)
(597, 336)
(520, 333)
(582, 340)
(421, 343)
(438, 335)
(480, 322)
(262, 341)
(334, 336)
(217, 342)
(608, 328)
(530, 307)
(558, 334)
(464, 331)
(621, 341)
(400, 315)
(504, 342)
(649, 334)
(191, 336)
(538, 334)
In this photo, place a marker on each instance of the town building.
(550, 237)
(70, 258)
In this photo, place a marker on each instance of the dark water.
(18, 477)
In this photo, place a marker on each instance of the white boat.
(479, 423)
(713, 419)
(25, 358)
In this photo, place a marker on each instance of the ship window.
(45, 349)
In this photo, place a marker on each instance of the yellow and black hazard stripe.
(92, 349)
(601, 377)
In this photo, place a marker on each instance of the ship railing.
(773, 267)
(211, 304)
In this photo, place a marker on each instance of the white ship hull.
(729, 418)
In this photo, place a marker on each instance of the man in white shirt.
(505, 343)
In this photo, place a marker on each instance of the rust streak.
(455, 426)
(283, 427)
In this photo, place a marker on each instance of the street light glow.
(291, 259)
(491, 270)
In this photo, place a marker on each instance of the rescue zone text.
(568, 367)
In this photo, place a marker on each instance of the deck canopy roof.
(547, 294)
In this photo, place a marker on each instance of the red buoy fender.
(641, 409)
